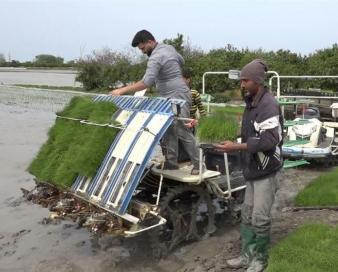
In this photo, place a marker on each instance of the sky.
(74, 28)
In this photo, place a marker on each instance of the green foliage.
(105, 69)
(73, 148)
(177, 43)
(90, 75)
(311, 248)
(220, 125)
(98, 73)
(220, 98)
(45, 60)
(2, 60)
(323, 191)
(235, 111)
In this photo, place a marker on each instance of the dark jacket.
(262, 131)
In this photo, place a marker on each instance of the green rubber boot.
(248, 248)
(260, 260)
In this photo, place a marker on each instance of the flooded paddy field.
(38, 77)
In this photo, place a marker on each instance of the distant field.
(39, 77)
(34, 98)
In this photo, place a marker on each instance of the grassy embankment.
(323, 191)
(312, 247)
(62, 88)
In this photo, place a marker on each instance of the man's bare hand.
(115, 92)
(226, 142)
(192, 123)
(226, 146)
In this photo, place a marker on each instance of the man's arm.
(148, 80)
(228, 146)
(132, 88)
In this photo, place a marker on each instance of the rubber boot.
(260, 260)
(248, 237)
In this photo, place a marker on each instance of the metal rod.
(300, 77)
(160, 186)
(309, 97)
(211, 73)
(162, 221)
(226, 164)
(201, 165)
(90, 123)
(276, 75)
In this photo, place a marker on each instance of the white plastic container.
(334, 108)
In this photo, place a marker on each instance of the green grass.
(311, 248)
(228, 109)
(222, 124)
(73, 148)
(323, 191)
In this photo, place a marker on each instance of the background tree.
(176, 42)
(45, 60)
(105, 69)
(2, 60)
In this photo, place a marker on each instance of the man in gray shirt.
(164, 71)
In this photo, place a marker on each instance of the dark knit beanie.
(254, 71)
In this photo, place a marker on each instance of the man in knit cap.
(261, 146)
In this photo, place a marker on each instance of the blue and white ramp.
(145, 121)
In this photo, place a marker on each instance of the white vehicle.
(312, 139)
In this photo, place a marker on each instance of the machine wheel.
(190, 216)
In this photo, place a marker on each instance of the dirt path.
(27, 244)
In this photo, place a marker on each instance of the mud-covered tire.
(190, 216)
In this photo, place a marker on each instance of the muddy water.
(38, 77)
(35, 99)
(25, 243)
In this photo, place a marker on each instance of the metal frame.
(297, 77)
(275, 75)
(218, 191)
(118, 176)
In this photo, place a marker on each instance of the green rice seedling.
(218, 126)
(74, 148)
(323, 191)
(312, 247)
(237, 110)
(78, 107)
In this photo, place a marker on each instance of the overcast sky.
(71, 28)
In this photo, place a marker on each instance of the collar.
(154, 49)
(252, 102)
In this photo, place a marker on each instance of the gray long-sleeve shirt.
(165, 73)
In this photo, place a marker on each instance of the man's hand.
(226, 146)
(192, 123)
(131, 88)
(115, 92)
(226, 142)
